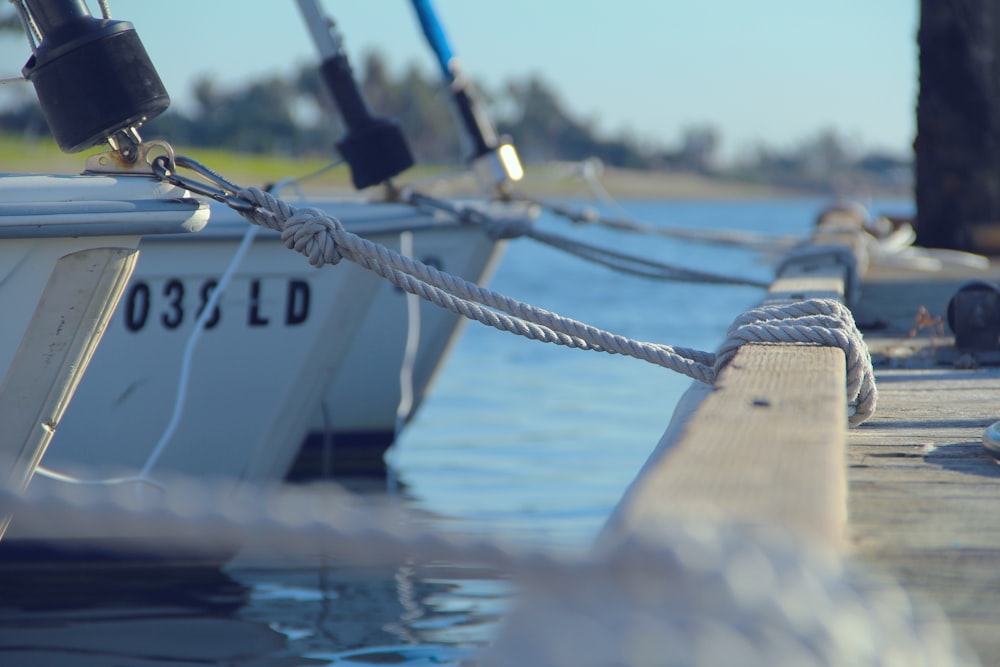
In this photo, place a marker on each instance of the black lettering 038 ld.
(173, 315)
(169, 307)
(136, 306)
(205, 293)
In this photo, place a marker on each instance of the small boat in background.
(379, 387)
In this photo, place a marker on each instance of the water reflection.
(259, 609)
(103, 615)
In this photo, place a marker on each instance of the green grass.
(42, 156)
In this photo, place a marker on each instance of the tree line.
(294, 115)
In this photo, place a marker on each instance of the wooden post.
(958, 126)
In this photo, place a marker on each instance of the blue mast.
(494, 159)
(434, 32)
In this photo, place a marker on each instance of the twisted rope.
(513, 228)
(323, 240)
(817, 321)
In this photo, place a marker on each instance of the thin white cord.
(406, 393)
(590, 172)
(182, 384)
(199, 327)
(70, 479)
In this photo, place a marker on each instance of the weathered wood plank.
(924, 496)
(765, 446)
(827, 283)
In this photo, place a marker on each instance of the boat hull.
(357, 421)
(287, 345)
(69, 244)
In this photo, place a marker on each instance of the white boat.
(285, 340)
(286, 345)
(361, 410)
(69, 244)
(226, 387)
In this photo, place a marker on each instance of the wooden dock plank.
(920, 494)
(745, 455)
(924, 496)
(766, 445)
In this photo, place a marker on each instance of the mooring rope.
(323, 240)
(590, 170)
(618, 261)
(819, 321)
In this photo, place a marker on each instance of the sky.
(768, 72)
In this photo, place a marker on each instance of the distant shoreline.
(18, 155)
(659, 185)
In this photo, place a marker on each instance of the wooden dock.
(912, 492)
(924, 495)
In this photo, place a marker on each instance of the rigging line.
(589, 171)
(312, 175)
(589, 174)
(57, 476)
(613, 259)
(407, 398)
(725, 237)
(404, 408)
(623, 261)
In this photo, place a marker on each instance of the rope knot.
(313, 233)
(308, 231)
(817, 321)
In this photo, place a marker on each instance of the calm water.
(518, 438)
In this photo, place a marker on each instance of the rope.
(323, 240)
(590, 171)
(521, 227)
(818, 321)
(183, 382)
(722, 237)
(729, 595)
